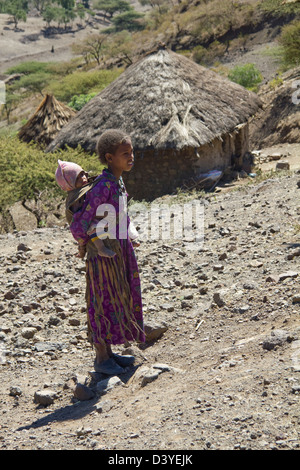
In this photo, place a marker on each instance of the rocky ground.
(220, 368)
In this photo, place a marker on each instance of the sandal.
(123, 361)
(108, 367)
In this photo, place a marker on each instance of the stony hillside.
(221, 366)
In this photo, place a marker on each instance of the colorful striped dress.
(113, 289)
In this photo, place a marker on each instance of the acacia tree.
(40, 5)
(121, 46)
(92, 46)
(130, 21)
(111, 7)
(17, 9)
(11, 102)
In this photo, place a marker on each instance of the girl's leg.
(101, 352)
(104, 363)
(123, 361)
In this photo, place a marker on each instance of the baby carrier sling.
(75, 197)
(74, 201)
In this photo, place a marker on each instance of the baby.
(69, 177)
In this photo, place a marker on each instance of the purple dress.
(113, 290)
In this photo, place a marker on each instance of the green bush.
(290, 41)
(29, 67)
(82, 83)
(279, 7)
(78, 101)
(27, 171)
(246, 75)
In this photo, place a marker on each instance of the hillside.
(221, 37)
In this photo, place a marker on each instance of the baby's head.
(69, 176)
(109, 141)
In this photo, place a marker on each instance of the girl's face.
(81, 179)
(121, 160)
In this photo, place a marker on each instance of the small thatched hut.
(183, 119)
(49, 118)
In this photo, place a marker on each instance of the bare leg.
(101, 352)
(109, 350)
(104, 363)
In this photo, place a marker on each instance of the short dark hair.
(109, 141)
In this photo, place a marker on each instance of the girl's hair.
(109, 141)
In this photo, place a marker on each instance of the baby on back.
(72, 178)
(75, 181)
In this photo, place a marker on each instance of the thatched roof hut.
(49, 118)
(172, 108)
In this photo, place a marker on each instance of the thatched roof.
(49, 118)
(163, 101)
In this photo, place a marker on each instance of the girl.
(113, 290)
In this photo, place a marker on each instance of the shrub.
(78, 101)
(246, 75)
(290, 41)
(27, 171)
(29, 67)
(82, 83)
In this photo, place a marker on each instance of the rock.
(15, 391)
(104, 406)
(81, 432)
(272, 278)
(282, 165)
(9, 295)
(83, 393)
(275, 156)
(219, 298)
(293, 254)
(296, 299)
(168, 307)
(154, 331)
(108, 384)
(244, 309)
(26, 308)
(284, 276)
(74, 322)
(53, 320)
(23, 247)
(28, 332)
(203, 290)
(218, 267)
(277, 338)
(47, 347)
(45, 397)
(149, 376)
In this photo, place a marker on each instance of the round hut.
(49, 118)
(184, 120)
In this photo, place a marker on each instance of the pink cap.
(66, 175)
